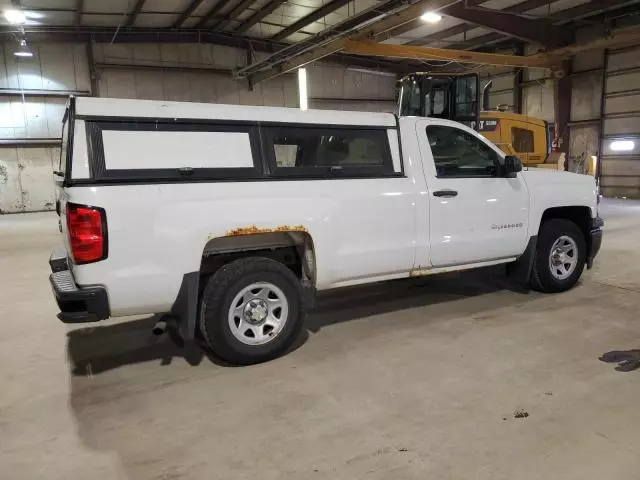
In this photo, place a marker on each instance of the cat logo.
(508, 225)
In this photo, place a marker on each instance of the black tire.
(216, 300)
(542, 278)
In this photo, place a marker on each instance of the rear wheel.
(560, 256)
(251, 310)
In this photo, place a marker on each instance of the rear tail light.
(87, 227)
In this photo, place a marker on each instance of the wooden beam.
(217, 7)
(259, 15)
(309, 19)
(440, 54)
(619, 38)
(134, 13)
(187, 13)
(377, 30)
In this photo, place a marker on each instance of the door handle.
(445, 193)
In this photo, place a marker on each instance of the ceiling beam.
(134, 13)
(326, 35)
(187, 13)
(554, 60)
(84, 34)
(213, 11)
(428, 53)
(463, 27)
(232, 14)
(418, 23)
(376, 30)
(79, 9)
(258, 15)
(594, 7)
(323, 11)
(540, 30)
(618, 38)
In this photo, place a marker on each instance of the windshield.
(410, 98)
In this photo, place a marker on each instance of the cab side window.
(458, 154)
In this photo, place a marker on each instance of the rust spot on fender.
(253, 230)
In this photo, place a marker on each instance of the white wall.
(26, 172)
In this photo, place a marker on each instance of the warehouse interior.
(454, 376)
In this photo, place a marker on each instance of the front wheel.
(252, 310)
(561, 254)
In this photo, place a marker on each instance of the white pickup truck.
(230, 218)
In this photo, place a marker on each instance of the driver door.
(476, 215)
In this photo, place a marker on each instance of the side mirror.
(511, 167)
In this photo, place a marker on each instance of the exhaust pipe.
(159, 328)
(486, 104)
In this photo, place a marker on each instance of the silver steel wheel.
(563, 258)
(258, 313)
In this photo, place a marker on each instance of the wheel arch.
(294, 248)
(580, 215)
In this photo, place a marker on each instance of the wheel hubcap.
(563, 258)
(258, 313)
(255, 312)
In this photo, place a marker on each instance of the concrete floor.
(411, 380)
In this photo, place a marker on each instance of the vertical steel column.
(562, 104)
(603, 99)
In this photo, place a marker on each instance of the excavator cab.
(459, 98)
(441, 96)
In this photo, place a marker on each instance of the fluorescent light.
(302, 88)
(622, 145)
(14, 16)
(23, 50)
(431, 17)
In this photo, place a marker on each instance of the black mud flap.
(522, 267)
(185, 308)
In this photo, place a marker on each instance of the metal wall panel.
(621, 168)
(26, 173)
(538, 100)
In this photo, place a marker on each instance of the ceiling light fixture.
(23, 50)
(15, 17)
(431, 17)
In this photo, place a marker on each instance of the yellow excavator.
(457, 97)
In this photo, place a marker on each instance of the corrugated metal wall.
(621, 166)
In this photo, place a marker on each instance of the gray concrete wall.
(130, 71)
